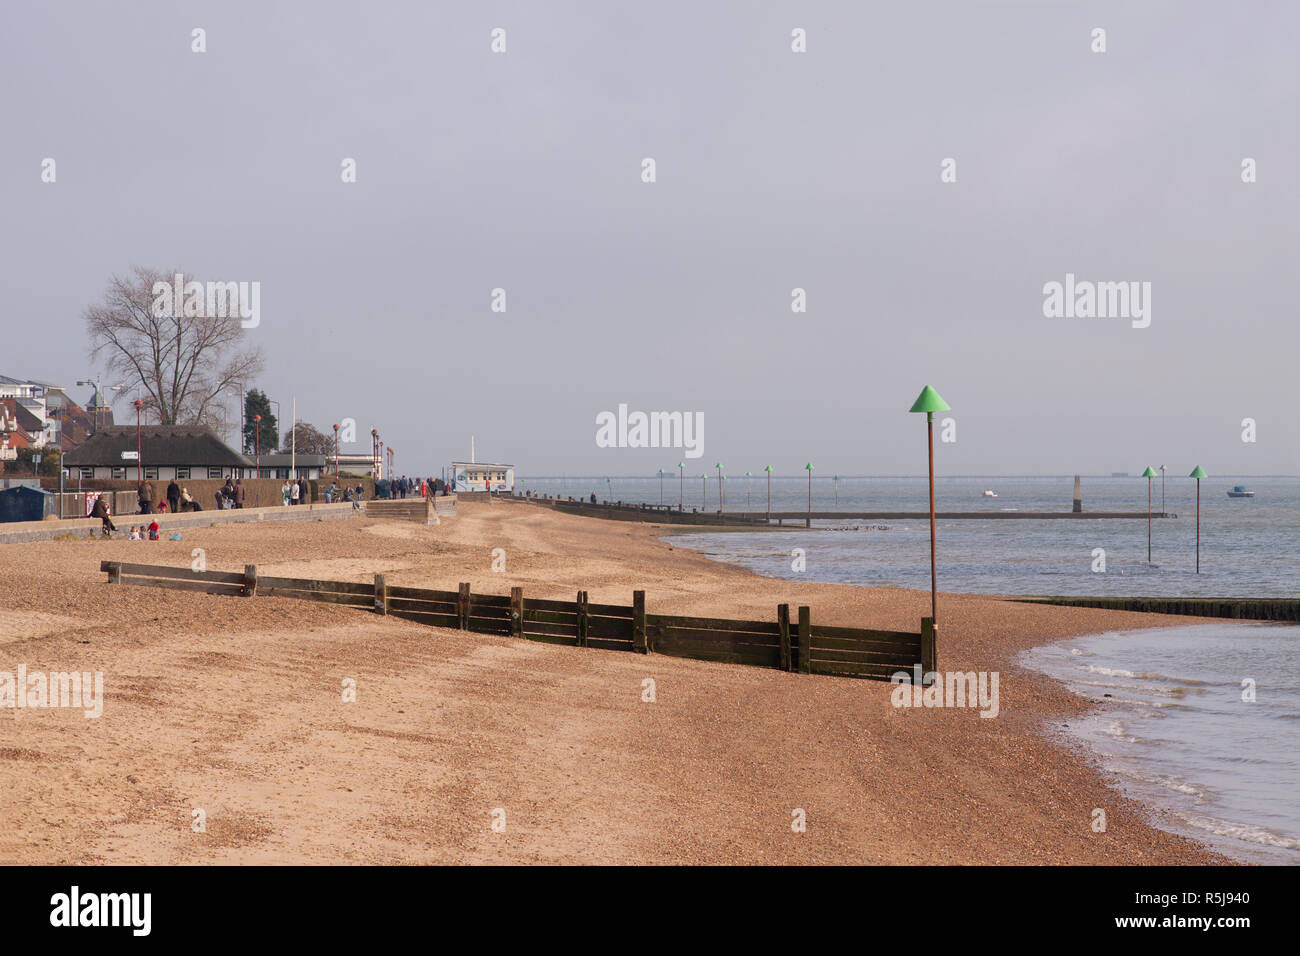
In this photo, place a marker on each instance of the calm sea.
(1175, 729)
(1178, 734)
(1250, 547)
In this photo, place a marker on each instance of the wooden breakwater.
(782, 642)
(1247, 609)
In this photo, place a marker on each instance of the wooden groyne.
(1246, 609)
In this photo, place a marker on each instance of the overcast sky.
(775, 170)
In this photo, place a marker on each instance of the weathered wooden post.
(638, 622)
(783, 626)
(517, 612)
(114, 569)
(805, 639)
(381, 595)
(462, 605)
(1078, 496)
(250, 581)
(582, 618)
(929, 648)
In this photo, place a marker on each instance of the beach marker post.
(704, 484)
(1198, 473)
(747, 477)
(661, 488)
(718, 465)
(768, 469)
(807, 522)
(681, 486)
(930, 401)
(1148, 475)
(1163, 513)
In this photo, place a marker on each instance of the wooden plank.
(608, 627)
(183, 574)
(421, 594)
(542, 604)
(770, 628)
(709, 634)
(553, 630)
(517, 612)
(601, 643)
(568, 641)
(381, 595)
(638, 622)
(853, 670)
(549, 617)
(483, 625)
(462, 605)
(857, 657)
(426, 607)
(495, 613)
(912, 646)
(202, 587)
(325, 597)
(783, 630)
(674, 645)
(824, 630)
(929, 646)
(114, 569)
(424, 617)
(805, 637)
(312, 584)
(610, 610)
(492, 600)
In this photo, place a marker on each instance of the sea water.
(1202, 722)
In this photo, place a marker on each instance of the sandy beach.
(235, 707)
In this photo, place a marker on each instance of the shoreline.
(209, 699)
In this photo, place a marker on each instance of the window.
(87, 472)
(214, 472)
(119, 471)
(182, 472)
(151, 474)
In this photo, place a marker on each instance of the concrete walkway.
(17, 531)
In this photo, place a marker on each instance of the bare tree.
(309, 440)
(181, 362)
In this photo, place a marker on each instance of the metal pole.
(1148, 521)
(934, 574)
(769, 496)
(1198, 526)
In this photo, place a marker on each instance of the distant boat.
(1241, 491)
(990, 493)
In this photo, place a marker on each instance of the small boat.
(990, 493)
(1241, 491)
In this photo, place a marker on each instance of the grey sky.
(775, 170)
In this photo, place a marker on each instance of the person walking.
(304, 492)
(144, 496)
(239, 492)
(294, 491)
(173, 497)
(284, 493)
(100, 510)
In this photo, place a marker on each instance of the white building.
(483, 476)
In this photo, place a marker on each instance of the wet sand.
(235, 707)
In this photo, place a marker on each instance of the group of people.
(141, 532)
(177, 499)
(295, 492)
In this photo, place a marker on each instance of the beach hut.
(25, 503)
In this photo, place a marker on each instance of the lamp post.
(808, 521)
(336, 452)
(747, 477)
(257, 439)
(1148, 475)
(718, 466)
(661, 488)
(768, 469)
(139, 446)
(930, 401)
(704, 483)
(1198, 473)
(681, 486)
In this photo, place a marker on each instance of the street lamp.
(257, 437)
(139, 447)
(336, 452)
(1198, 473)
(1148, 475)
(930, 401)
(808, 521)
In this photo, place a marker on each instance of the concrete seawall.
(19, 531)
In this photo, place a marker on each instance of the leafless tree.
(308, 440)
(180, 363)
